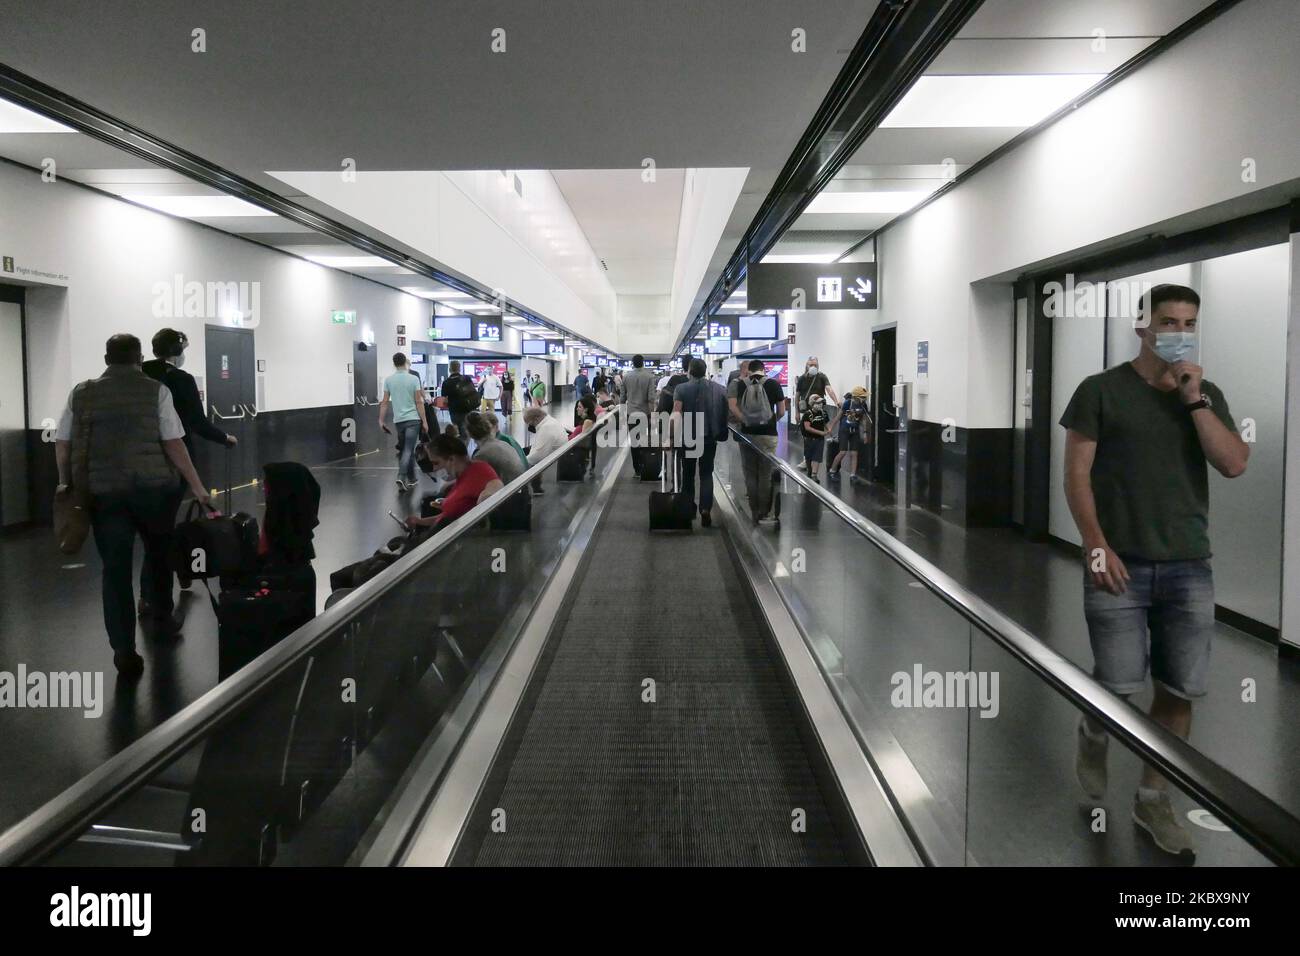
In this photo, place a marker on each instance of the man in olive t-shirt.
(1138, 439)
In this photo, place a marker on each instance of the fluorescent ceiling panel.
(351, 262)
(865, 202)
(201, 207)
(18, 119)
(983, 101)
(815, 257)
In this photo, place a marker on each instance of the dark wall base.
(311, 436)
(966, 480)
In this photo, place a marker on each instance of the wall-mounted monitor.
(721, 346)
(555, 348)
(762, 326)
(534, 346)
(453, 328)
(487, 330)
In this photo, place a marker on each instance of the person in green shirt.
(1138, 440)
(402, 390)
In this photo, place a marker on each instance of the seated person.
(585, 413)
(505, 461)
(496, 433)
(292, 502)
(476, 481)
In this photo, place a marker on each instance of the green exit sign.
(435, 333)
(343, 318)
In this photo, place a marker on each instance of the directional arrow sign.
(812, 286)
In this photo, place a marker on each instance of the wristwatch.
(1203, 402)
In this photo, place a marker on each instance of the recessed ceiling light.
(869, 202)
(1020, 100)
(350, 262)
(201, 207)
(19, 119)
(811, 257)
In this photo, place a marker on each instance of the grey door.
(231, 399)
(14, 478)
(365, 388)
(885, 447)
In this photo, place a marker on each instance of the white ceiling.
(630, 222)
(1003, 38)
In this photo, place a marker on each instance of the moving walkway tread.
(712, 771)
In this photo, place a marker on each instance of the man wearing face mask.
(169, 347)
(1138, 439)
(812, 382)
(548, 435)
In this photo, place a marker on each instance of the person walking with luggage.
(402, 391)
(700, 414)
(855, 426)
(508, 395)
(581, 384)
(538, 392)
(757, 402)
(120, 435)
(462, 397)
(1139, 437)
(169, 347)
(639, 395)
(815, 425)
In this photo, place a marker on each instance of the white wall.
(841, 340)
(1291, 522)
(1243, 333)
(114, 253)
(709, 197)
(470, 223)
(1166, 141)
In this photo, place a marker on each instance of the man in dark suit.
(169, 355)
(699, 422)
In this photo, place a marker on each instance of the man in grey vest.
(122, 428)
(639, 394)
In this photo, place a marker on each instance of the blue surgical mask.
(1174, 346)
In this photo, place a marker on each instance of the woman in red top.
(475, 481)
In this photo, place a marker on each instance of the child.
(815, 426)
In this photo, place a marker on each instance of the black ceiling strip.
(1125, 69)
(41, 98)
(900, 41)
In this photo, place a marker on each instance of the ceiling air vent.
(604, 265)
(519, 187)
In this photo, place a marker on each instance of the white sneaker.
(802, 466)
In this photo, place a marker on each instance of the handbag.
(72, 505)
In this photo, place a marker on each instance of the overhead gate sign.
(804, 286)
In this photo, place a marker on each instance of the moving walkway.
(589, 693)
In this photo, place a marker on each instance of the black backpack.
(464, 394)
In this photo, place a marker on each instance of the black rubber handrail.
(1263, 823)
(65, 817)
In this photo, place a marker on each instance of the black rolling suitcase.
(652, 460)
(572, 465)
(514, 514)
(671, 510)
(258, 611)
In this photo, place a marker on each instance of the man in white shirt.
(548, 435)
(121, 436)
(491, 390)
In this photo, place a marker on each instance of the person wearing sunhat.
(855, 428)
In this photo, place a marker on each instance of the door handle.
(249, 410)
(896, 431)
(229, 418)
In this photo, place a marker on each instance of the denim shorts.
(1173, 602)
